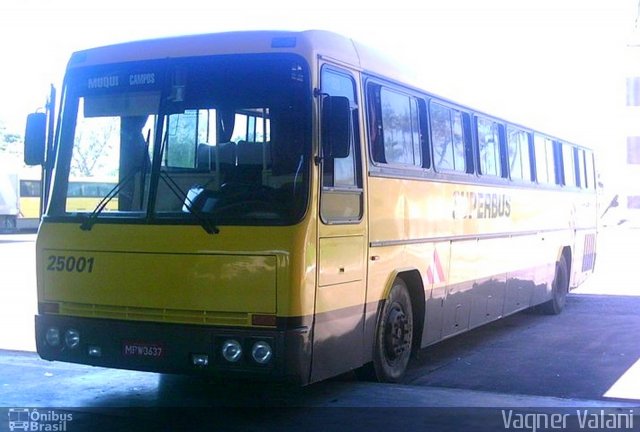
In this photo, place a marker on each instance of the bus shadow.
(580, 353)
(443, 353)
(177, 390)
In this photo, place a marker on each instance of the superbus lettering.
(475, 205)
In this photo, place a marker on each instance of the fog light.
(231, 350)
(199, 360)
(261, 352)
(52, 337)
(72, 338)
(95, 351)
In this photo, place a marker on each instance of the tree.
(10, 142)
(93, 145)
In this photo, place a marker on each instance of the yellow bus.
(9, 194)
(290, 207)
(30, 192)
(84, 194)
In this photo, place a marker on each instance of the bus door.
(340, 296)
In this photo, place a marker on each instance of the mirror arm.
(318, 93)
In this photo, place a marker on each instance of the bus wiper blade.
(205, 222)
(90, 220)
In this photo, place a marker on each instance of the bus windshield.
(225, 138)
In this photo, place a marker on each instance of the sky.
(555, 65)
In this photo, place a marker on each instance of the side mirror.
(35, 138)
(336, 126)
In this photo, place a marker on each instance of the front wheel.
(560, 289)
(394, 335)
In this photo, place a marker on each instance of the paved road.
(586, 357)
(525, 357)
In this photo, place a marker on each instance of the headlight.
(261, 352)
(52, 337)
(231, 350)
(72, 338)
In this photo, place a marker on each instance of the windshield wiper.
(88, 223)
(206, 223)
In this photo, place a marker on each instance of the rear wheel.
(394, 335)
(560, 289)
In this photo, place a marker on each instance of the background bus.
(30, 193)
(9, 195)
(84, 195)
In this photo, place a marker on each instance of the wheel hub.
(397, 333)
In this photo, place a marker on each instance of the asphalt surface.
(587, 357)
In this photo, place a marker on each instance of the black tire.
(394, 335)
(560, 289)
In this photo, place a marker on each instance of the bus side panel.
(489, 288)
(533, 266)
(436, 284)
(477, 292)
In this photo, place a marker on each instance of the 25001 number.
(63, 263)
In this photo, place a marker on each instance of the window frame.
(549, 156)
(529, 138)
(357, 188)
(373, 101)
(503, 172)
(468, 167)
(568, 149)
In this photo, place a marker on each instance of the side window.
(341, 200)
(581, 175)
(395, 127)
(489, 147)
(551, 165)
(339, 172)
(590, 168)
(182, 140)
(447, 138)
(400, 128)
(30, 188)
(541, 159)
(545, 165)
(568, 165)
(518, 154)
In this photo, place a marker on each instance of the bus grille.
(157, 315)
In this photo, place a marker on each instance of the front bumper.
(170, 348)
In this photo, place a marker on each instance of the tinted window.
(447, 138)
(339, 172)
(581, 175)
(545, 166)
(590, 168)
(489, 147)
(29, 188)
(518, 152)
(394, 127)
(568, 165)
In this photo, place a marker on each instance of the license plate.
(142, 349)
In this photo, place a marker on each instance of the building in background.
(629, 199)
